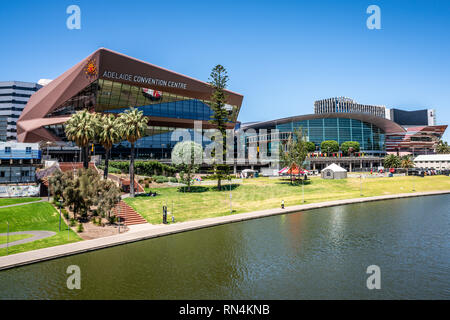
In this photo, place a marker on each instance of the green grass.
(265, 193)
(14, 237)
(8, 201)
(36, 216)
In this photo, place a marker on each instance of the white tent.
(333, 171)
(248, 173)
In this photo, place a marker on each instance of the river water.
(318, 254)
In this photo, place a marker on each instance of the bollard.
(282, 204)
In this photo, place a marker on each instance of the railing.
(20, 154)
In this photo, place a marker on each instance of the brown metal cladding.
(44, 101)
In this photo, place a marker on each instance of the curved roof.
(386, 125)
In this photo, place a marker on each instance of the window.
(28, 150)
(2, 174)
(7, 149)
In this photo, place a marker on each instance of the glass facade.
(107, 96)
(369, 136)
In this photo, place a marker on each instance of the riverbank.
(266, 193)
(152, 231)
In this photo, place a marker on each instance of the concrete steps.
(128, 215)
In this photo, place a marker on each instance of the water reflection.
(317, 254)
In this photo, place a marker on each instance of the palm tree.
(406, 163)
(132, 127)
(108, 133)
(80, 128)
(442, 147)
(392, 161)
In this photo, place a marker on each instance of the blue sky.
(281, 55)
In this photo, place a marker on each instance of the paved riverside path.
(37, 235)
(148, 231)
(21, 204)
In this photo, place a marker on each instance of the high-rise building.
(347, 105)
(14, 96)
(425, 117)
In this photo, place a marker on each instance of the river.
(318, 254)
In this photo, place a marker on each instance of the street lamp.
(7, 237)
(303, 191)
(60, 205)
(360, 185)
(231, 206)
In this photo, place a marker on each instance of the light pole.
(173, 217)
(303, 191)
(360, 185)
(7, 237)
(231, 205)
(68, 228)
(60, 205)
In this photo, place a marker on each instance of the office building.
(14, 95)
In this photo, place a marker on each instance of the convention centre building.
(376, 135)
(111, 82)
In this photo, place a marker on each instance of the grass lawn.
(14, 237)
(36, 216)
(265, 193)
(8, 201)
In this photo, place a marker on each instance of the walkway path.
(37, 235)
(21, 204)
(148, 231)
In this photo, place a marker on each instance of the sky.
(281, 55)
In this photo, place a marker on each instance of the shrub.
(349, 147)
(146, 168)
(112, 219)
(66, 214)
(174, 180)
(80, 227)
(147, 185)
(72, 222)
(329, 146)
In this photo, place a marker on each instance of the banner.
(19, 191)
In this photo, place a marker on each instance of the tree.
(329, 146)
(349, 147)
(293, 152)
(57, 183)
(310, 146)
(187, 156)
(108, 133)
(86, 189)
(392, 161)
(108, 196)
(218, 81)
(132, 127)
(443, 147)
(406, 163)
(80, 128)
